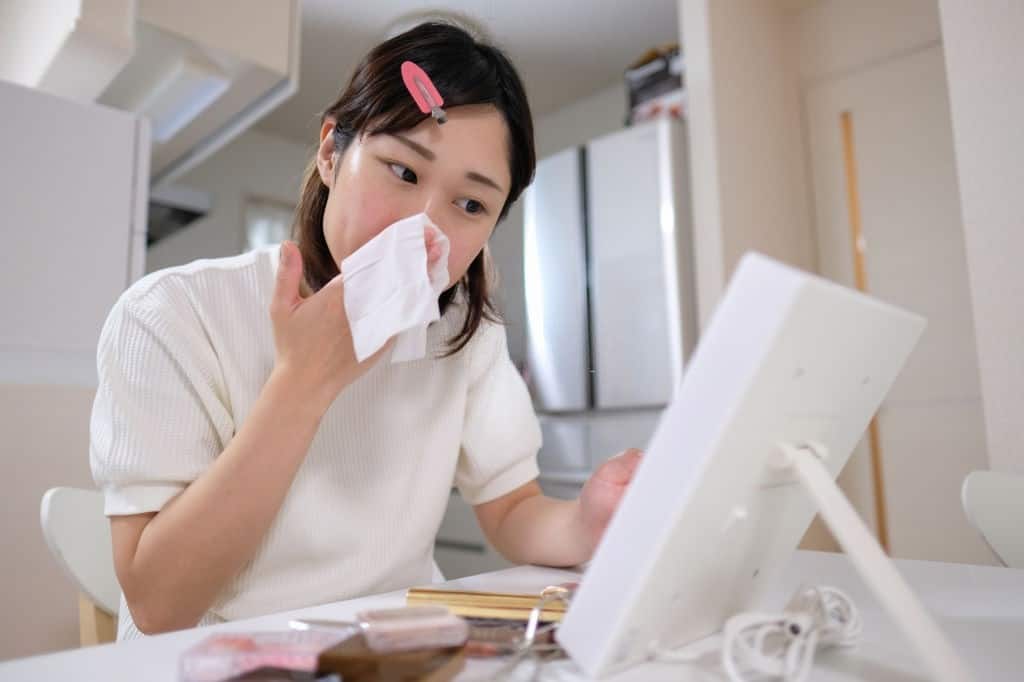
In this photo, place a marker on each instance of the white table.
(981, 608)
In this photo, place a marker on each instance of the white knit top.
(184, 355)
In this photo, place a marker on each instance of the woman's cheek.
(371, 216)
(334, 232)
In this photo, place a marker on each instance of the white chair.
(438, 576)
(994, 504)
(78, 534)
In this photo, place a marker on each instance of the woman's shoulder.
(206, 299)
(205, 283)
(487, 347)
(487, 343)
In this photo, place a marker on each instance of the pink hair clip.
(422, 89)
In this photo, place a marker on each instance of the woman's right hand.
(312, 337)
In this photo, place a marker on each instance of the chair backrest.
(78, 534)
(994, 504)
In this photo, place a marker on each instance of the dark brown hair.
(376, 101)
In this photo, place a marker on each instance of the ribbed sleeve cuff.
(138, 499)
(520, 473)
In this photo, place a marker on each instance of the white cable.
(782, 645)
(753, 645)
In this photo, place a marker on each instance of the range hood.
(173, 208)
(186, 65)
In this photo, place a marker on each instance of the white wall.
(46, 444)
(750, 188)
(597, 114)
(837, 37)
(253, 165)
(984, 54)
(747, 64)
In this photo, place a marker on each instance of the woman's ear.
(325, 154)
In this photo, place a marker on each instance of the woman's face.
(456, 173)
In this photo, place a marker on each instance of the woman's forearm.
(543, 530)
(188, 552)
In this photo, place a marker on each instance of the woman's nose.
(432, 209)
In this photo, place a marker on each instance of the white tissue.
(390, 292)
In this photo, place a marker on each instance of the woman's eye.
(471, 206)
(402, 172)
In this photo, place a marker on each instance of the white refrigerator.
(610, 301)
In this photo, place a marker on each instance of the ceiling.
(563, 49)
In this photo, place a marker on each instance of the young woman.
(250, 464)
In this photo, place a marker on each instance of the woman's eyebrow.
(484, 180)
(416, 147)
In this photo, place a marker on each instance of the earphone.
(782, 646)
(756, 645)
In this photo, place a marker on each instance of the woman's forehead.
(474, 133)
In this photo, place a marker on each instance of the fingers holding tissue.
(312, 338)
(392, 284)
(289, 280)
(603, 491)
(434, 247)
(384, 298)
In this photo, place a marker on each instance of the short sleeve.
(160, 415)
(501, 435)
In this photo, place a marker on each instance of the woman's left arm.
(529, 528)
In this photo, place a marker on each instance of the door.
(931, 430)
